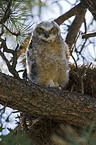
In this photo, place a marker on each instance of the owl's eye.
(40, 30)
(53, 30)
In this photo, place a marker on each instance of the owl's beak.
(46, 34)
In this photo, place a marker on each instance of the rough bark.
(53, 103)
(79, 12)
(91, 5)
(74, 11)
(74, 28)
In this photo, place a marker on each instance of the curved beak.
(46, 34)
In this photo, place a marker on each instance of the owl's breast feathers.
(48, 63)
(55, 48)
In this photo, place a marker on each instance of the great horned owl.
(45, 56)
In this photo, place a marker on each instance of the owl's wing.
(67, 51)
(31, 62)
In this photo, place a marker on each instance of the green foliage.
(16, 22)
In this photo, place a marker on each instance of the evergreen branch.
(7, 13)
(13, 33)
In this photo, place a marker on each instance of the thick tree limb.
(79, 11)
(91, 5)
(74, 11)
(26, 97)
(74, 28)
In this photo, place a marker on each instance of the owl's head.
(47, 31)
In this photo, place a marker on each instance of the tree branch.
(53, 103)
(74, 28)
(11, 68)
(88, 35)
(74, 11)
(79, 11)
(13, 33)
(7, 13)
(91, 5)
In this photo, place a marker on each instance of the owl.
(46, 61)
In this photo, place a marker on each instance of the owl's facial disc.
(47, 35)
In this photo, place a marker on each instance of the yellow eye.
(52, 30)
(39, 30)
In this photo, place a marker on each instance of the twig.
(13, 33)
(86, 36)
(4, 58)
(10, 68)
(73, 59)
(3, 45)
(85, 26)
(2, 30)
(15, 57)
(82, 47)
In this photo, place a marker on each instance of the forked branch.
(74, 11)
